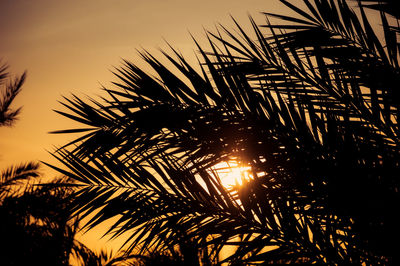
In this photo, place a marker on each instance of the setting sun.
(232, 173)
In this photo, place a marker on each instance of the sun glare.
(231, 173)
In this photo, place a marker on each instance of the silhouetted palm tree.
(310, 103)
(10, 91)
(35, 224)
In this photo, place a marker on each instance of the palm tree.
(309, 103)
(35, 224)
(33, 219)
(11, 90)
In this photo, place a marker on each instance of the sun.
(231, 173)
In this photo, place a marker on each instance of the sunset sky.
(71, 47)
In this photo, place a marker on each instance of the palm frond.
(309, 105)
(12, 176)
(11, 90)
(391, 7)
(3, 73)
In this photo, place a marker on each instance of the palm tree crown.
(11, 90)
(309, 103)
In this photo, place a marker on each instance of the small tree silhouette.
(35, 224)
(10, 91)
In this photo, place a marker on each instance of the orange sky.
(71, 46)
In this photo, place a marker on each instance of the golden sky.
(70, 47)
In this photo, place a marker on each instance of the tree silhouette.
(309, 103)
(10, 91)
(35, 224)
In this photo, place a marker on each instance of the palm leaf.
(11, 90)
(309, 104)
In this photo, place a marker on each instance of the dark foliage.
(10, 91)
(35, 222)
(310, 104)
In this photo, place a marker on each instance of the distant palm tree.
(35, 224)
(310, 104)
(11, 90)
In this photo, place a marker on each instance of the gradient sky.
(70, 46)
